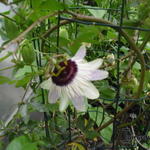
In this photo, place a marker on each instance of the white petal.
(80, 53)
(84, 74)
(54, 94)
(63, 104)
(91, 91)
(98, 75)
(79, 104)
(93, 65)
(47, 84)
(64, 101)
(75, 89)
(88, 89)
(72, 90)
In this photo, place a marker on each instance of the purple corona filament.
(67, 75)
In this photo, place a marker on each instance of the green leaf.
(68, 2)
(61, 122)
(24, 81)
(97, 13)
(98, 2)
(147, 76)
(137, 66)
(111, 34)
(53, 107)
(86, 34)
(52, 5)
(36, 4)
(147, 47)
(91, 134)
(4, 79)
(63, 42)
(22, 71)
(11, 29)
(22, 143)
(39, 107)
(107, 134)
(1, 145)
(106, 90)
(47, 5)
(55, 138)
(96, 114)
(80, 123)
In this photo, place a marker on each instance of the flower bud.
(28, 54)
(110, 58)
(64, 33)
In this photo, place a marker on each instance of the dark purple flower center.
(66, 75)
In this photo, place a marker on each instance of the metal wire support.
(114, 147)
(105, 25)
(69, 124)
(58, 23)
(36, 44)
(43, 96)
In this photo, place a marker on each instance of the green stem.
(7, 68)
(1, 14)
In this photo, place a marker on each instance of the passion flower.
(72, 83)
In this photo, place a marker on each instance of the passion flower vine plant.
(71, 81)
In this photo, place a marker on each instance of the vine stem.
(142, 46)
(23, 34)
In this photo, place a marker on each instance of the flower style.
(73, 82)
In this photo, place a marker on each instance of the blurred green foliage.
(102, 42)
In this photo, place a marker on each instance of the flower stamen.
(58, 73)
(64, 73)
